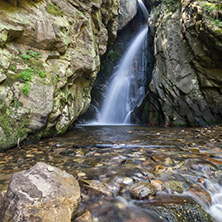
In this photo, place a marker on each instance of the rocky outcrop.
(127, 11)
(49, 58)
(186, 84)
(42, 193)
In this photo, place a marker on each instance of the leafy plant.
(16, 104)
(26, 75)
(36, 55)
(26, 57)
(13, 68)
(42, 74)
(26, 88)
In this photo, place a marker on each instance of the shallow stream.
(111, 163)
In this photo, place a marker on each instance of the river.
(182, 164)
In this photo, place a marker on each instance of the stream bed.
(134, 173)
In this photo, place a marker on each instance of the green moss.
(13, 129)
(5, 123)
(172, 5)
(53, 9)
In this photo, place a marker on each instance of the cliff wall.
(49, 58)
(186, 87)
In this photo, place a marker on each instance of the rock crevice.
(187, 73)
(49, 58)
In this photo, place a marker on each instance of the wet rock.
(86, 217)
(127, 180)
(157, 184)
(198, 192)
(176, 208)
(159, 169)
(201, 165)
(42, 193)
(96, 187)
(174, 186)
(142, 190)
(127, 10)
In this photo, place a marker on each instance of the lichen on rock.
(49, 58)
(42, 193)
(186, 83)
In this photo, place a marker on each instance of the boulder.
(42, 193)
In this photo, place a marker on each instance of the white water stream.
(124, 92)
(118, 100)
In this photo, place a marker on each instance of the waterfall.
(123, 91)
(143, 8)
(126, 89)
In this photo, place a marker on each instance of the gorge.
(124, 92)
(57, 59)
(51, 54)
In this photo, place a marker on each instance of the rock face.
(49, 58)
(42, 193)
(186, 85)
(127, 11)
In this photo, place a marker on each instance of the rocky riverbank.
(158, 174)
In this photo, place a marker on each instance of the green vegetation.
(26, 88)
(4, 121)
(26, 75)
(9, 125)
(31, 54)
(212, 9)
(53, 9)
(26, 57)
(33, 60)
(113, 56)
(172, 5)
(13, 68)
(41, 74)
(16, 103)
(217, 22)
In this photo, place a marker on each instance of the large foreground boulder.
(42, 193)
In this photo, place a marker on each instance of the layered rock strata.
(186, 84)
(49, 58)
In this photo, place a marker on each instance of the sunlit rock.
(142, 190)
(49, 58)
(42, 193)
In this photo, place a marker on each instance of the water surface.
(108, 160)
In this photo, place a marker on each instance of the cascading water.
(125, 90)
(117, 104)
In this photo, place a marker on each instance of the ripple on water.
(121, 156)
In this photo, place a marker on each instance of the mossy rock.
(175, 208)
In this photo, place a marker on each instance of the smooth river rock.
(142, 190)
